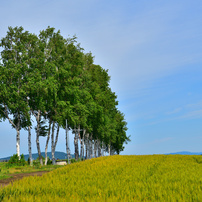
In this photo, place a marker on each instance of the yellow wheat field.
(115, 178)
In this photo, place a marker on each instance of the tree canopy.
(53, 79)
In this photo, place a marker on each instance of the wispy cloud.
(191, 115)
(186, 112)
(174, 111)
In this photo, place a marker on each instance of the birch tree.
(13, 71)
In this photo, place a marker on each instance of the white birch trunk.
(30, 145)
(52, 144)
(38, 118)
(84, 131)
(109, 149)
(47, 141)
(56, 139)
(17, 127)
(18, 143)
(81, 148)
(95, 148)
(103, 149)
(87, 146)
(99, 148)
(91, 147)
(76, 153)
(67, 143)
(79, 139)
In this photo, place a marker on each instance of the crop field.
(115, 178)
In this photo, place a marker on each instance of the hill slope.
(58, 155)
(123, 178)
(187, 153)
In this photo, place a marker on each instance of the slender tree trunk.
(47, 141)
(86, 142)
(109, 149)
(17, 127)
(91, 147)
(67, 143)
(81, 147)
(112, 152)
(30, 145)
(79, 139)
(18, 143)
(18, 136)
(76, 145)
(95, 148)
(99, 148)
(38, 118)
(102, 149)
(39, 150)
(56, 138)
(84, 131)
(88, 146)
(52, 144)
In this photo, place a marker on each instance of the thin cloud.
(177, 110)
(197, 114)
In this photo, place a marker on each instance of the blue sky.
(153, 50)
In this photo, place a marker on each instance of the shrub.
(22, 160)
(36, 163)
(15, 161)
(49, 162)
(73, 160)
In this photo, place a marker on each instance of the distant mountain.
(188, 153)
(58, 155)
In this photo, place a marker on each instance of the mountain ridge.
(58, 155)
(187, 153)
(62, 155)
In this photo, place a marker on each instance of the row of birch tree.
(50, 79)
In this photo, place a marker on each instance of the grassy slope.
(124, 178)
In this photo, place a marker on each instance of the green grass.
(6, 172)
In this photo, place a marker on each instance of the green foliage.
(15, 161)
(42, 158)
(51, 78)
(73, 160)
(49, 162)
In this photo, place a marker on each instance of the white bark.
(84, 131)
(18, 143)
(91, 147)
(95, 148)
(56, 139)
(103, 149)
(76, 147)
(54, 143)
(38, 119)
(30, 145)
(67, 143)
(17, 127)
(109, 149)
(87, 146)
(47, 141)
(81, 149)
(99, 148)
